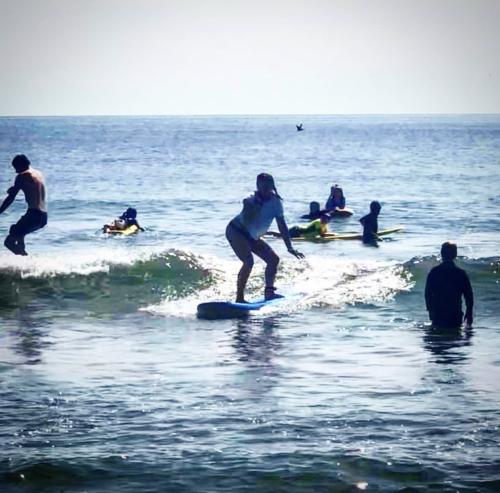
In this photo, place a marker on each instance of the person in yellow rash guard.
(318, 227)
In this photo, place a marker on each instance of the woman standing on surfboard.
(244, 234)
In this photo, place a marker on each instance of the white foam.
(315, 282)
(77, 262)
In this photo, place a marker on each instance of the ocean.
(109, 382)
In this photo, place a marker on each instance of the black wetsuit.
(445, 286)
(370, 228)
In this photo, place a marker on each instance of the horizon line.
(197, 115)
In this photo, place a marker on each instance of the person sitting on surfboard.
(244, 234)
(336, 200)
(127, 219)
(315, 212)
(370, 224)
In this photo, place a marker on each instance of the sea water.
(109, 383)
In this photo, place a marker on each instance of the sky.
(196, 57)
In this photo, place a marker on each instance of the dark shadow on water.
(257, 345)
(30, 332)
(448, 345)
(256, 341)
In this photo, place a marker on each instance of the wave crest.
(103, 282)
(315, 282)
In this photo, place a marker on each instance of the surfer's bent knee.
(275, 260)
(248, 262)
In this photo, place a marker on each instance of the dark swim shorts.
(30, 222)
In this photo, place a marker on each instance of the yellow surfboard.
(124, 232)
(346, 236)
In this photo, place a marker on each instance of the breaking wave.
(100, 282)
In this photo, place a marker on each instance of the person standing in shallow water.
(444, 288)
(245, 230)
(32, 183)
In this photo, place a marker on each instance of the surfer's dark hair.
(269, 178)
(21, 162)
(314, 206)
(449, 251)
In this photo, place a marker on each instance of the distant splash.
(102, 281)
(314, 282)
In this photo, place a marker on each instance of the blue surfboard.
(215, 310)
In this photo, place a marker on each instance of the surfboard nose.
(219, 310)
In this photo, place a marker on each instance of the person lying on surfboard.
(370, 224)
(244, 234)
(318, 227)
(130, 217)
(127, 219)
(336, 200)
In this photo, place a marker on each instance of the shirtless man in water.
(31, 182)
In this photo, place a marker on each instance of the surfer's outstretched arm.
(11, 195)
(286, 237)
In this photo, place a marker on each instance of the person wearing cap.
(32, 183)
(445, 286)
(244, 233)
(370, 224)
